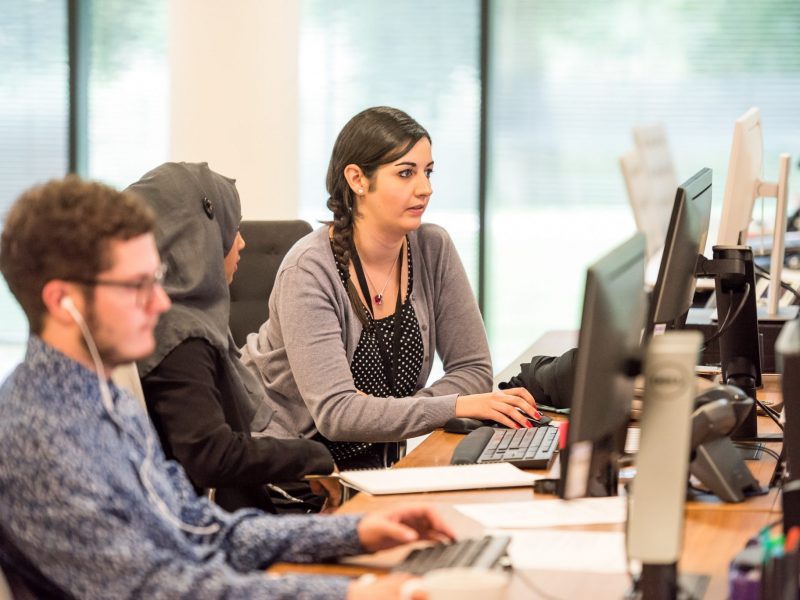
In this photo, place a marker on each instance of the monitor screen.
(741, 186)
(685, 242)
(608, 347)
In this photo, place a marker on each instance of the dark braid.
(374, 137)
(342, 245)
(342, 241)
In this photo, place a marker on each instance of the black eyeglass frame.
(145, 287)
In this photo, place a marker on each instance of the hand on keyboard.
(383, 529)
(508, 407)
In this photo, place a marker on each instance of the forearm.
(471, 378)
(255, 543)
(215, 581)
(239, 571)
(230, 459)
(143, 556)
(547, 378)
(356, 417)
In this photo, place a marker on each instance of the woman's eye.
(428, 173)
(405, 173)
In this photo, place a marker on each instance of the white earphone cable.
(105, 395)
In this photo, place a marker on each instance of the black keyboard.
(525, 448)
(483, 552)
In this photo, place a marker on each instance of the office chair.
(267, 244)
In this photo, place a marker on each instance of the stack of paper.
(437, 479)
(535, 547)
(546, 513)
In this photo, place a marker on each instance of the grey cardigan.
(304, 350)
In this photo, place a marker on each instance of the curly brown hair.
(374, 137)
(62, 230)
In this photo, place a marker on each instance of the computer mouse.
(544, 420)
(463, 425)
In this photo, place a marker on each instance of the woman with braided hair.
(360, 305)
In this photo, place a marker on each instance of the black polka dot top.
(369, 372)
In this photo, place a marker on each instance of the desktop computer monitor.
(739, 345)
(607, 361)
(684, 244)
(743, 185)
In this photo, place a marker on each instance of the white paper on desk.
(546, 513)
(437, 479)
(562, 550)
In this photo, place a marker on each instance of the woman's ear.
(356, 179)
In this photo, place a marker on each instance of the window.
(34, 89)
(421, 57)
(568, 82)
(127, 126)
(122, 126)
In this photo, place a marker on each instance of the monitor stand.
(740, 346)
(663, 582)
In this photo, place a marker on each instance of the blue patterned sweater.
(75, 517)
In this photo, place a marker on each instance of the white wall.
(234, 96)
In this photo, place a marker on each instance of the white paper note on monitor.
(546, 513)
(560, 550)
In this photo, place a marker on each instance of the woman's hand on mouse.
(503, 406)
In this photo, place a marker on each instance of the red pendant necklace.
(378, 298)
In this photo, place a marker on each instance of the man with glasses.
(90, 507)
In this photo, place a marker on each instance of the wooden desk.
(713, 531)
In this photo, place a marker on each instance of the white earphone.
(66, 303)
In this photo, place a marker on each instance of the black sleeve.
(549, 379)
(202, 430)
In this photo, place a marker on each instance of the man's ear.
(61, 299)
(356, 179)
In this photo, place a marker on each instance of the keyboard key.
(516, 441)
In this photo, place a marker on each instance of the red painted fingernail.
(538, 415)
(528, 424)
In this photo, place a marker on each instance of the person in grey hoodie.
(360, 306)
(207, 408)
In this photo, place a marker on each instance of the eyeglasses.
(145, 287)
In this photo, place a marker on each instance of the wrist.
(361, 534)
(462, 408)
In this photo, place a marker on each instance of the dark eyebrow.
(411, 164)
